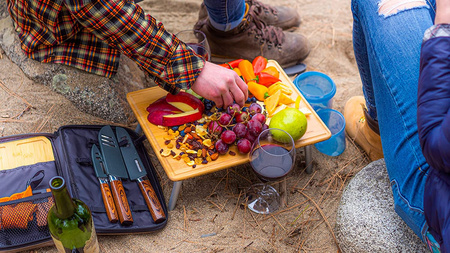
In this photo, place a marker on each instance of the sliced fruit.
(305, 111)
(280, 83)
(272, 102)
(279, 86)
(279, 108)
(181, 118)
(285, 99)
(156, 117)
(297, 102)
(161, 105)
(185, 101)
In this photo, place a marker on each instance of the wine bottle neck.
(64, 204)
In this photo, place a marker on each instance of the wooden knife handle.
(121, 201)
(151, 199)
(108, 200)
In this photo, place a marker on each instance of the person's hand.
(221, 85)
(442, 12)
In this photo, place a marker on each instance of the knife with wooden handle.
(136, 171)
(115, 169)
(97, 161)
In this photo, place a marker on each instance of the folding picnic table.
(178, 170)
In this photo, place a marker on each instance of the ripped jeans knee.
(390, 7)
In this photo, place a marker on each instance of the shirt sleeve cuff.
(181, 70)
(439, 30)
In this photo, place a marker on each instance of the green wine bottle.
(70, 221)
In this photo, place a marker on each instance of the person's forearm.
(442, 12)
(124, 25)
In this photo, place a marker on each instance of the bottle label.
(91, 245)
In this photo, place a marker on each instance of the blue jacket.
(433, 121)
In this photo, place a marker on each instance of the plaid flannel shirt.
(91, 34)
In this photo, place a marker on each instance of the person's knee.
(390, 7)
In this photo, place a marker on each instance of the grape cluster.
(237, 126)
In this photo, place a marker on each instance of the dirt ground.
(212, 205)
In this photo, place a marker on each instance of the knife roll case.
(33, 159)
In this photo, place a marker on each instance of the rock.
(100, 96)
(366, 220)
(3, 10)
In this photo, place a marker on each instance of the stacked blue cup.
(335, 121)
(317, 88)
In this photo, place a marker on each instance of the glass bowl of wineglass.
(272, 157)
(197, 41)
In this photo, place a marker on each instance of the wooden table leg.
(174, 195)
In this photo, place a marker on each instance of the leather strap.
(373, 124)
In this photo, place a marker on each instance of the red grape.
(254, 127)
(250, 137)
(260, 117)
(244, 146)
(228, 137)
(214, 128)
(240, 130)
(225, 119)
(233, 108)
(242, 117)
(254, 108)
(221, 147)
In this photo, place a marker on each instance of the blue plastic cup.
(317, 88)
(335, 121)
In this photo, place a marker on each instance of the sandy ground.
(211, 204)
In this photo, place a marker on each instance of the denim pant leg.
(387, 51)
(225, 14)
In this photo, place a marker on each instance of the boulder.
(99, 96)
(366, 220)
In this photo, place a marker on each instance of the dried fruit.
(166, 153)
(214, 156)
(207, 142)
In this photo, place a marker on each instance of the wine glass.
(197, 41)
(272, 157)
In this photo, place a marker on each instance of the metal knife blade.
(115, 168)
(97, 161)
(111, 153)
(136, 171)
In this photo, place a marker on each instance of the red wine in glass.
(271, 162)
(272, 157)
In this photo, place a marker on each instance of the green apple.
(190, 91)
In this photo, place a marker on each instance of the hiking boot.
(361, 128)
(279, 16)
(252, 38)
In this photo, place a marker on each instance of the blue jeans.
(225, 15)
(387, 51)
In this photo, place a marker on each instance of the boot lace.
(274, 36)
(259, 7)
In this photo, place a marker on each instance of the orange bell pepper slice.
(246, 69)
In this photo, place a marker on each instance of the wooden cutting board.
(23, 152)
